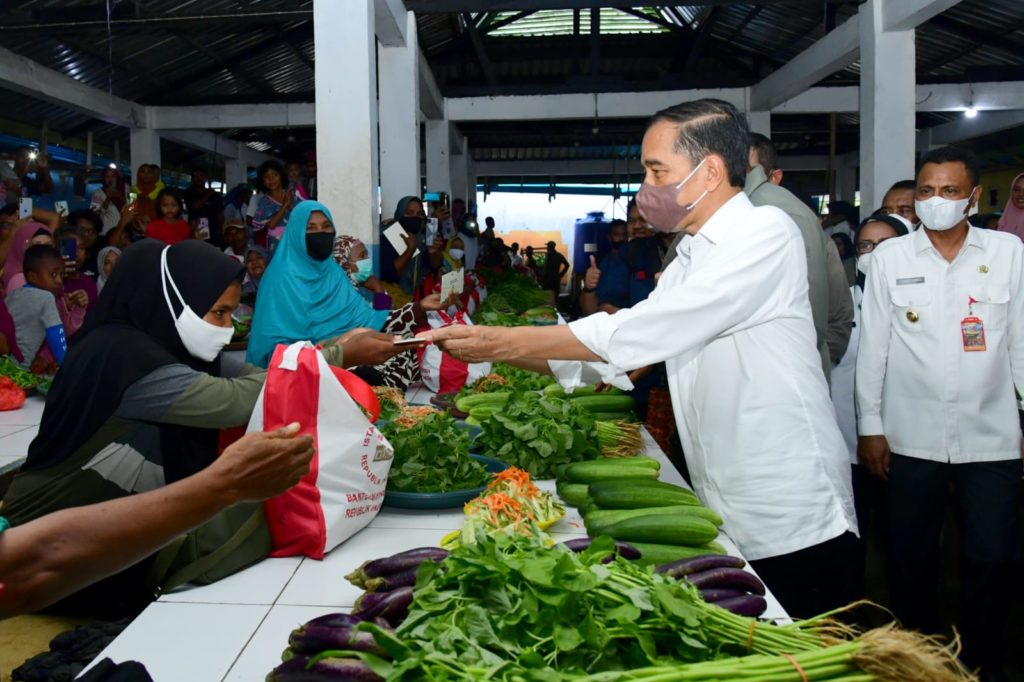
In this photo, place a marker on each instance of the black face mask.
(412, 224)
(319, 245)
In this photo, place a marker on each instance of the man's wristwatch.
(588, 290)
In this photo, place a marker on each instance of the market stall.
(236, 629)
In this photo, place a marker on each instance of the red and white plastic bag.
(442, 373)
(344, 488)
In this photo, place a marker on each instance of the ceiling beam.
(234, 116)
(834, 52)
(703, 33)
(986, 123)
(909, 14)
(25, 76)
(432, 102)
(486, 66)
(449, 6)
(166, 22)
(389, 22)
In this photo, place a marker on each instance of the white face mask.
(457, 254)
(202, 340)
(941, 214)
(863, 261)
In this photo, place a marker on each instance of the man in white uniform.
(941, 350)
(730, 318)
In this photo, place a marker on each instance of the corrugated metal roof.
(259, 50)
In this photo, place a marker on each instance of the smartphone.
(133, 197)
(25, 207)
(203, 228)
(61, 207)
(69, 249)
(431, 231)
(410, 343)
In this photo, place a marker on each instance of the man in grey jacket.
(829, 291)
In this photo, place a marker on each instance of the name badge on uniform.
(973, 330)
(909, 280)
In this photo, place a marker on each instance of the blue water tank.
(591, 239)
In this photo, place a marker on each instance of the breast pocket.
(913, 308)
(992, 304)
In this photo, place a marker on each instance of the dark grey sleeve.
(178, 394)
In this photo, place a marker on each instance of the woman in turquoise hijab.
(306, 295)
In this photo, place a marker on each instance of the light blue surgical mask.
(364, 270)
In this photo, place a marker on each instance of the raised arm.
(47, 559)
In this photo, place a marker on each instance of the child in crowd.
(34, 306)
(170, 227)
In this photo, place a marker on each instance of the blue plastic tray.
(449, 500)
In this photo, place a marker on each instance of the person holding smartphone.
(108, 201)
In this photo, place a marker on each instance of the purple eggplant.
(403, 561)
(368, 602)
(324, 670)
(392, 606)
(699, 564)
(312, 639)
(746, 605)
(727, 577)
(336, 620)
(713, 594)
(623, 549)
(387, 583)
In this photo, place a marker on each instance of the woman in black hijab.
(142, 395)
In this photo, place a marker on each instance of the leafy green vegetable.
(522, 379)
(539, 434)
(508, 607)
(18, 374)
(432, 457)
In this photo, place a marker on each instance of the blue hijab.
(300, 298)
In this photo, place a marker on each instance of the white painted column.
(144, 147)
(887, 91)
(399, 119)
(439, 171)
(346, 114)
(236, 171)
(460, 171)
(760, 122)
(846, 177)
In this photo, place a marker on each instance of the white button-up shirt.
(731, 320)
(915, 383)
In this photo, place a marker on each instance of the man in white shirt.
(730, 318)
(899, 200)
(941, 349)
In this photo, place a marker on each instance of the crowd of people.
(830, 376)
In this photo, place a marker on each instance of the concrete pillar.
(760, 122)
(846, 178)
(144, 147)
(887, 90)
(346, 114)
(460, 170)
(399, 119)
(236, 171)
(439, 171)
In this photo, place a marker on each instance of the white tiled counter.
(235, 630)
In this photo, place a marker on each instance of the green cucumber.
(594, 471)
(574, 494)
(658, 554)
(615, 462)
(555, 390)
(614, 416)
(624, 496)
(665, 529)
(597, 520)
(605, 403)
(468, 402)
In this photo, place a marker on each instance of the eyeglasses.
(866, 246)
